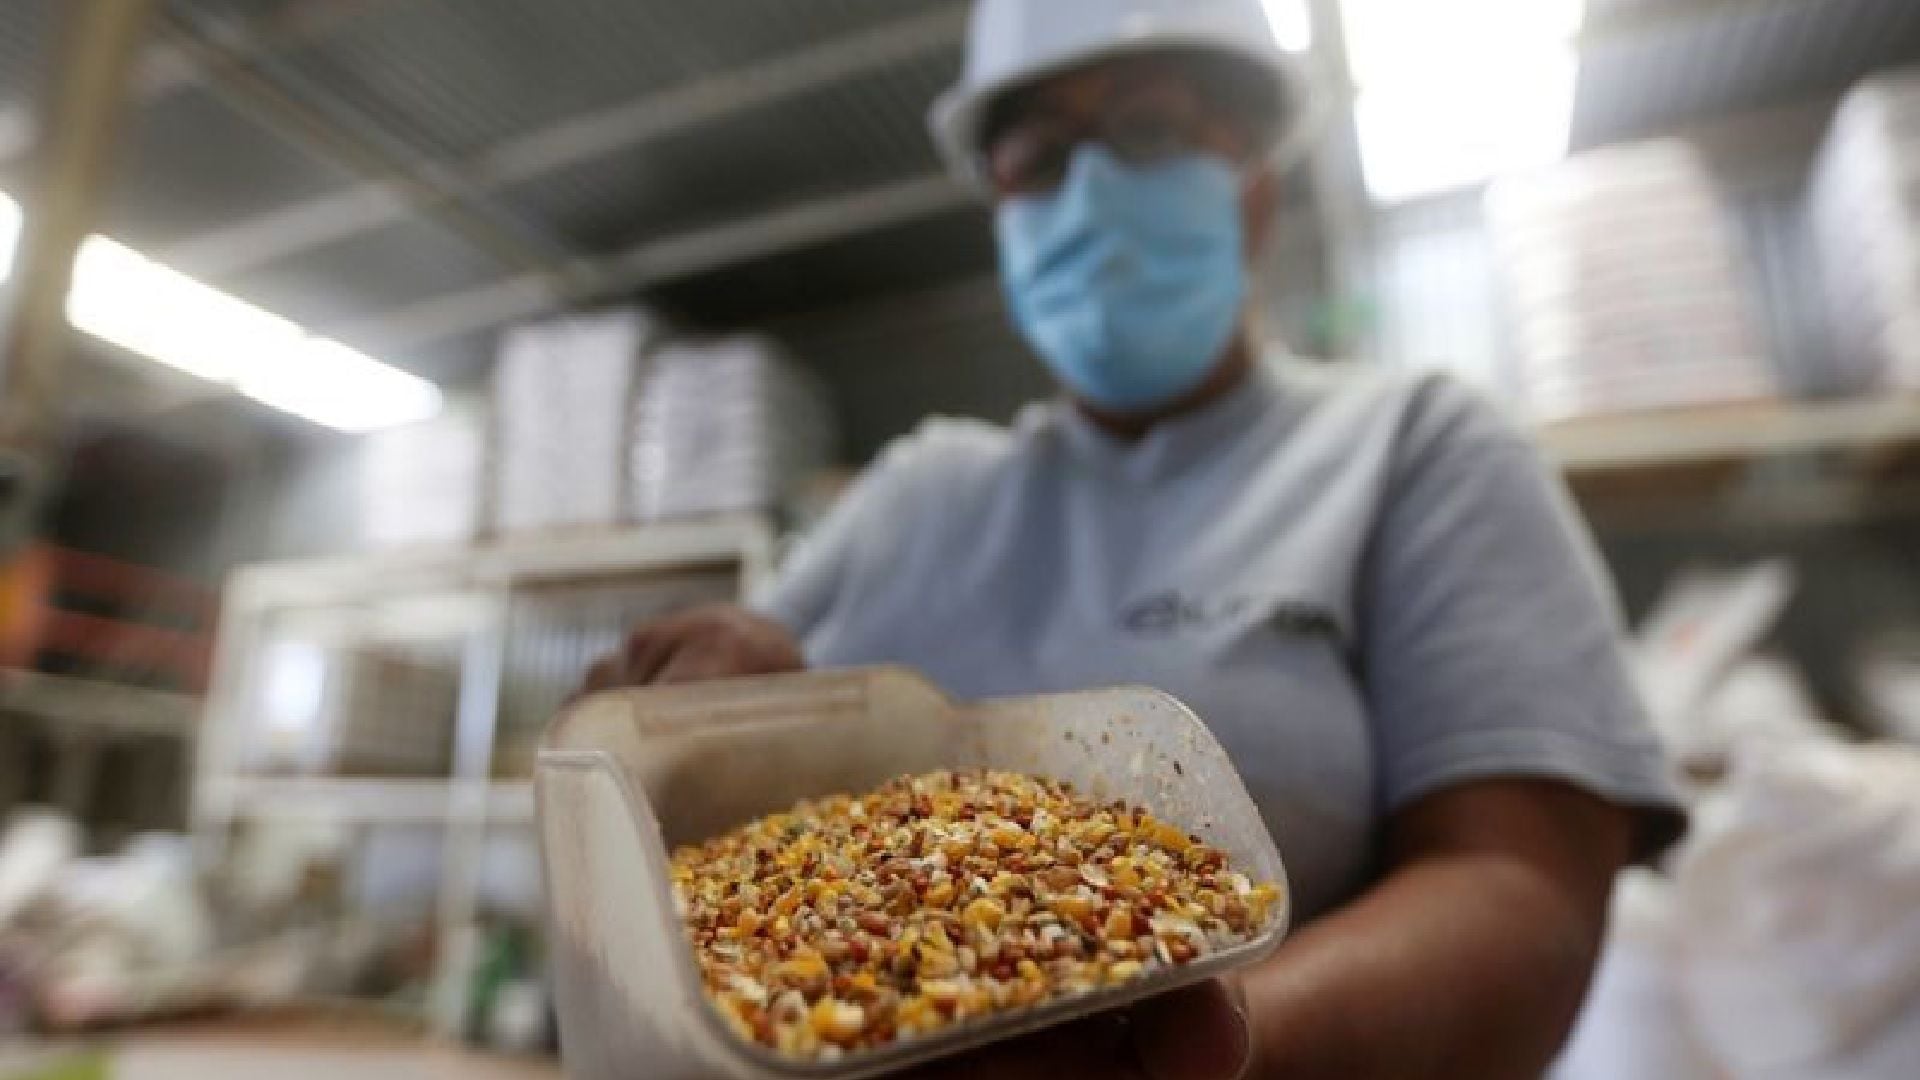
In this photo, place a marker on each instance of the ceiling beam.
(401, 177)
(1641, 20)
(780, 231)
(161, 70)
(278, 234)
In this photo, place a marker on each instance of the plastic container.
(623, 777)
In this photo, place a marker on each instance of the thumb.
(1198, 1032)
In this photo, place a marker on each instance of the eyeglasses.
(1033, 156)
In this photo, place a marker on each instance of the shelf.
(1684, 437)
(745, 539)
(378, 802)
(75, 703)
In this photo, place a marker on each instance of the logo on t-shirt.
(1169, 613)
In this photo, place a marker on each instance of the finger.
(607, 673)
(1195, 1033)
(698, 661)
(648, 650)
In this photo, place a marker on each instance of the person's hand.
(716, 641)
(1195, 1033)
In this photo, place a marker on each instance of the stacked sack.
(1864, 210)
(563, 393)
(724, 426)
(420, 485)
(1626, 284)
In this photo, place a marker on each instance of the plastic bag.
(1635, 1025)
(1798, 914)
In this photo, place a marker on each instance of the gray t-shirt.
(1365, 583)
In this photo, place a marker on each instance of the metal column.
(79, 126)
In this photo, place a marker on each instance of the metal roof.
(862, 133)
(409, 173)
(1649, 66)
(24, 26)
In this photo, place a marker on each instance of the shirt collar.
(1171, 445)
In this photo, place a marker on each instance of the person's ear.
(1259, 204)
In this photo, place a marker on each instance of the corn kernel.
(838, 1021)
(1071, 907)
(803, 966)
(848, 924)
(983, 912)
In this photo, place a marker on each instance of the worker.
(1364, 581)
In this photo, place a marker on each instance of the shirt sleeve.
(1491, 643)
(813, 573)
(828, 561)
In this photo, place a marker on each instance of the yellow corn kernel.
(983, 911)
(940, 991)
(1123, 873)
(1071, 907)
(915, 1012)
(803, 965)
(1259, 899)
(940, 893)
(838, 1021)
(936, 938)
(730, 1012)
(1124, 970)
(1170, 838)
(1119, 925)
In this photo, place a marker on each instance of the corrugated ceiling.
(164, 193)
(451, 80)
(1651, 66)
(866, 131)
(25, 39)
(457, 76)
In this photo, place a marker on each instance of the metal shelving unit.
(1790, 465)
(509, 626)
(1683, 437)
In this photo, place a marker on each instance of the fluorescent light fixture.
(9, 234)
(1292, 24)
(1454, 94)
(328, 383)
(123, 297)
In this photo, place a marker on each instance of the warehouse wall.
(313, 502)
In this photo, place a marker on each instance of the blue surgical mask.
(1128, 280)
